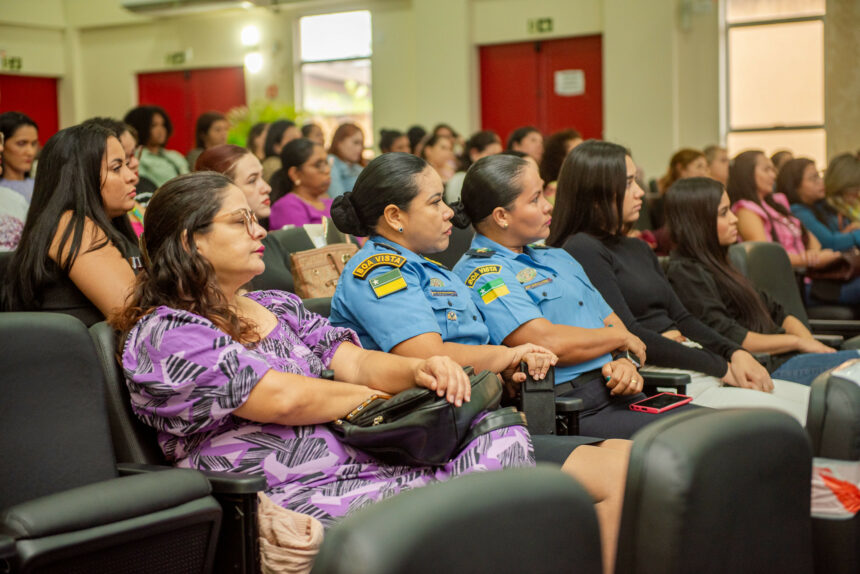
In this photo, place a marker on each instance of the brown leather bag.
(316, 271)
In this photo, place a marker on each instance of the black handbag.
(417, 427)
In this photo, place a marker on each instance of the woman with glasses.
(801, 183)
(231, 380)
(299, 188)
(77, 249)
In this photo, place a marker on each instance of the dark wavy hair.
(140, 118)
(742, 186)
(789, 180)
(389, 179)
(590, 193)
(68, 182)
(690, 208)
(11, 121)
(554, 152)
(275, 135)
(294, 154)
(387, 139)
(203, 125)
(491, 182)
(175, 274)
(478, 142)
(519, 134)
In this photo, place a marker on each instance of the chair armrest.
(221, 482)
(104, 502)
(666, 379)
(565, 405)
(847, 329)
(834, 341)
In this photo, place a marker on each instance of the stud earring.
(298, 182)
(400, 229)
(505, 226)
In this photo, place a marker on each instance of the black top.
(629, 277)
(698, 291)
(59, 294)
(279, 245)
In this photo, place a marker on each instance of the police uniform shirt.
(511, 289)
(388, 294)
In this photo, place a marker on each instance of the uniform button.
(580, 303)
(450, 302)
(474, 317)
(555, 274)
(544, 293)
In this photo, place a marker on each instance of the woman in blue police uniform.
(399, 301)
(533, 293)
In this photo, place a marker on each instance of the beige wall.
(842, 76)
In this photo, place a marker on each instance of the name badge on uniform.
(388, 283)
(531, 286)
(436, 293)
(492, 290)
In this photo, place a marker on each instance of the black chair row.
(733, 472)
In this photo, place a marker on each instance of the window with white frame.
(335, 79)
(775, 77)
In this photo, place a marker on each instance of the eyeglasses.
(248, 216)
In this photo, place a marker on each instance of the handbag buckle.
(378, 420)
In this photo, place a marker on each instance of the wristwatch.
(629, 356)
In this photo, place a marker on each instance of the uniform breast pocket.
(544, 290)
(451, 315)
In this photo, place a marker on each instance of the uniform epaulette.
(386, 246)
(481, 252)
(434, 262)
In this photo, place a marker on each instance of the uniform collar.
(482, 241)
(383, 245)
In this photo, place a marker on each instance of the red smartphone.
(660, 403)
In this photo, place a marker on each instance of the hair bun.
(460, 218)
(345, 216)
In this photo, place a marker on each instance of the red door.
(187, 94)
(552, 85)
(35, 97)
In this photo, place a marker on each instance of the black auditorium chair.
(279, 245)
(535, 520)
(833, 424)
(137, 448)
(715, 491)
(65, 505)
(766, 264)
(459, 244)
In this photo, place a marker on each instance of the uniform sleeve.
(393, 318)
(186, 376)
(698, 293)
(502, 301)
(597, 261)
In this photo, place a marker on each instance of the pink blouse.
(786, 229)
(291, 210)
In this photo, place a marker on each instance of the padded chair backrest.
(461, 239)
(718, 491)
(133, 440)
(768, 267)
(833, 418)
(53, 425)
(535, 520)
(738, 258)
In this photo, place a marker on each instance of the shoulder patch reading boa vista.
(377, 260)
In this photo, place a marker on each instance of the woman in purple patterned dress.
(231, 381)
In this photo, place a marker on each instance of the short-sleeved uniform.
(186, 378)
(383, 295)
(511, 289)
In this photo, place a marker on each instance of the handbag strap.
(501, 418)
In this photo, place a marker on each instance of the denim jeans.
(805, 367)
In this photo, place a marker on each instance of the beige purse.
(316, 271)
